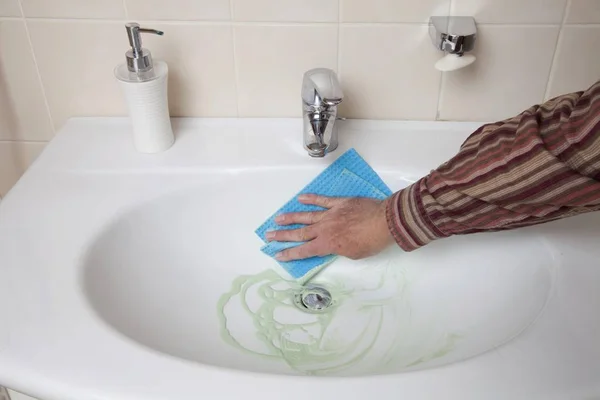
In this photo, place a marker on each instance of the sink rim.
(118, 240)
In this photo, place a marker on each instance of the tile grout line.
(19, 141)
(21, 10)
(236, 77)
(339, 40)
(439, 99)
(288, 23)
(126, 10)
(552, 70)
(442, 75)
(37, 68)
(209, 22)
(583, 25)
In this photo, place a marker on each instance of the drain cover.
(313, 299)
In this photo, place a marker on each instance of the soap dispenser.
(144, 85)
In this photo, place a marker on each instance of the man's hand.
(351, 227)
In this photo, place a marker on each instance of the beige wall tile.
(76, 60)
(577, 63)
(288, 10)
(74, 8)
(271, 62)
(184, 10)
(15, 158)
(384, 77)
(201, 81)
(511, 11)
(9, 8)
(392, 10)
(583, 12)
(23, 112)
(510, 74)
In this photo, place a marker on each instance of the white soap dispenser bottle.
(144, 85)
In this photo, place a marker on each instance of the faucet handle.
(320, 87)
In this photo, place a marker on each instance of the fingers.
(321, 201)
(292, 235)
(310, 249)
(306, 218)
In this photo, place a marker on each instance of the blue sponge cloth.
(348, 176)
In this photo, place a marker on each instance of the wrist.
(384, 227)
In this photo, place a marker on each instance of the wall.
(246, 58)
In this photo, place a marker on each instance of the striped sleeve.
(542, 165)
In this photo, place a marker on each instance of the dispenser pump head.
(138, 58)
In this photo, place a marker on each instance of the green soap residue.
(276, 336)
(349, 335)
(445, 349)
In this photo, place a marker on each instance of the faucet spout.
(321, 94)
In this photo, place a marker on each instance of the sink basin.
(127, 276)
(176, 276)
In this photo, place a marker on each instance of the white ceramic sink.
(130, 276)
(157, 272)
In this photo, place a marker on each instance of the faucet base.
(319, 151)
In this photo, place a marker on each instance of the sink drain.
(313, 299)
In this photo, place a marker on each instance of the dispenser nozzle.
(138, 58)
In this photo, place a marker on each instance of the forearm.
(541, 165)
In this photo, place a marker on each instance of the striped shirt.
(539, 166)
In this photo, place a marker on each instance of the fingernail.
(280, 218)
(270, 235)
(303, 197)
(279, 256)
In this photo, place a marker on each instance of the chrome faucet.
(321, 94)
